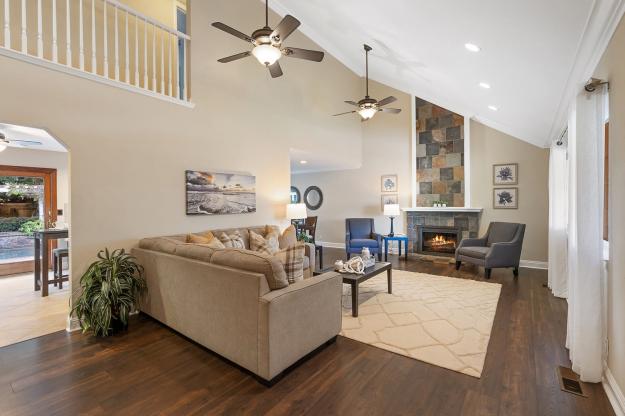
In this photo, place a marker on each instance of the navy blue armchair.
(359, 233)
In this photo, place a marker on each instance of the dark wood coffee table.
(355, 279)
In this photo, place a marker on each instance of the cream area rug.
(445, 321)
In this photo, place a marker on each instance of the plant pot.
(118, 326)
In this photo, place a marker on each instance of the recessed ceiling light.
(492, 107)
(485, 85)
(472, 47)
(303, 162)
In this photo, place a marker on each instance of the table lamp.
(391, 211)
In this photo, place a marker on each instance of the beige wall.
(42, 159)
(489, 147)
(612, 68)
(128, 152)
(357, 192)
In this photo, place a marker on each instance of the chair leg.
(60, 271)
(379, 256)
(515, 271)
(458, 263)
(487, 272)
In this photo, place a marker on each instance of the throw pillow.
(260, 244)
(206, 239)
(292, 259)
(288, 237)
(273, 239)
(233, 240)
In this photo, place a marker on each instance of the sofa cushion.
(288, 237)
(163, 244)
(363, 242)
(253, 262)
(292, 259)
(474, 251)
(200, 252)
(263, 245)
(233, 240)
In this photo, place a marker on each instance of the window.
(181, 19)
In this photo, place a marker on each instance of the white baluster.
(127, 73)
(153, 58)
(24, 30)
(7, 24)
(116, 47)
(136, 51)
(177, 53)
(39, 30)
(94, 67)
(184, 70)
(55, 48)
(145, 54)
(163, 64)
(68, 34)
(169, 58)
(106, 40)
(81, 41)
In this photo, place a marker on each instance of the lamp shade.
(391, 210)
(296, 211)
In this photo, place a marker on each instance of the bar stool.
(57, 266)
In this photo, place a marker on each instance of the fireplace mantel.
(441, 209)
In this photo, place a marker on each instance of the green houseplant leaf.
(112, 288)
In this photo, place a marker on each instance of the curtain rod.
(593, 83)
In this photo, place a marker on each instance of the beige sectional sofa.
(231, 301)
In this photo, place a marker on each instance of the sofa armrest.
(298, 319)
(378, 238)
(348, 238)
(506, 254)
(309, 251)
(473, 242)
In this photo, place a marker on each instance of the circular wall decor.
(313, 197)
(296, 197)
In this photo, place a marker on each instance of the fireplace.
(438, 240)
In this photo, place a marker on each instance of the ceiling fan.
(369, 107)
(267, 43)
(4, 142)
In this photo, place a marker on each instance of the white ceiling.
(13, 132)
(534, 53)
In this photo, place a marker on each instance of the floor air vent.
(569, 381)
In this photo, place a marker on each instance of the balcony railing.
(103, 40)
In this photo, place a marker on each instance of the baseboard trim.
(331, 245)
(533, 264)
(614, 393)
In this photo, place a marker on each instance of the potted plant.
(111, 287)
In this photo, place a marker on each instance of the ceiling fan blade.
(340, 114)
(387, 100)
(275, 70)
(306, 54)
(234, 57)
(390, 110)
(28, 142)
(355, 104)
(232, 31)
(285, 28)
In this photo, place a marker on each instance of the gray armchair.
(500, 247)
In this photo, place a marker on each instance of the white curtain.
(558, 220)
(585, 329)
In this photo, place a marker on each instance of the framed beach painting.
(389, 183)
(506, 174)
(215, 193)
(505, 198)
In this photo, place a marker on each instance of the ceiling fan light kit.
(268, 48)
(4, 142)
(369, 107)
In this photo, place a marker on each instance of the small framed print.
(389, 199)
(506, 198)
(389, 183)
(506, 174)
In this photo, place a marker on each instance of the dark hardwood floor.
(152, 370)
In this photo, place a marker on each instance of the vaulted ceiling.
(534, 53)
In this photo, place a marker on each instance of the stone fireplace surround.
(465, 220)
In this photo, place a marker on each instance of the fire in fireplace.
(438, 240)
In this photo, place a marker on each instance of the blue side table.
(399, 239)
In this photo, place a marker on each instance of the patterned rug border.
(447, 319)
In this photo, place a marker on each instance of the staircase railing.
(103, 40)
